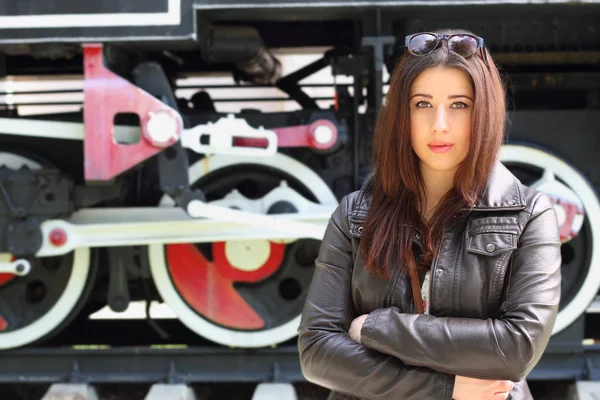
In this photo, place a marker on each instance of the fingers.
(505, 386)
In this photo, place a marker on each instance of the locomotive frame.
(548, 53)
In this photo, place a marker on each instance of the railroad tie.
(67, 391)
(160, 391)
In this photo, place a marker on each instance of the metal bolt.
(20, 267)
(440, 271)
(323, 134)
(58, 237)
(490, 248)
(360, 229)
(162, 127)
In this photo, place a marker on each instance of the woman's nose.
(440, 121)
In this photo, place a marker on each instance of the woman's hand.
(356, 326)
(480, 389)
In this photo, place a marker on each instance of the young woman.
(440, 277)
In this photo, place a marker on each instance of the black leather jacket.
(494, 297)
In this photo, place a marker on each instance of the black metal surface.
(142, 357)
(118, 291)
(213, 364)
(45, 7)
(378, 44)
(295, 4)
(242, 46)
(58, 27)
(88, 196)
(535, 37)
(27, 198)
(146, 364)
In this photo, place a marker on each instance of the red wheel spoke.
(207, 291)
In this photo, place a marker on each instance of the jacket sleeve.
(508, 347)
(329, 357)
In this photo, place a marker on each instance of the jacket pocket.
(489, 250)
(491, 241)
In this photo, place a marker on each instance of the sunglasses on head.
(420, 44)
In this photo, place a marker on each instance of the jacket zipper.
(412, 303)
(433, 274)
(513, 208)
(390, 291)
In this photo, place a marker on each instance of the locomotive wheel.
(241, 293)
(577, 205)
(38, 305)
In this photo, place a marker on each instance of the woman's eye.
(423, 104)
(459, 104)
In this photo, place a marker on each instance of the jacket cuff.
(366, 332)
(448, 386)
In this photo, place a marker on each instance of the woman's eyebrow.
(452, 96)
(456, 96)
(422, 95)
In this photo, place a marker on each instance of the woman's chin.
(441, 166)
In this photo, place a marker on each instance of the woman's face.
(441, 102)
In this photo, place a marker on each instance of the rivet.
(360, 228)
(490, 247)
(418, 237)
(440, 271)
(58, 237)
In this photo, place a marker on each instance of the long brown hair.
(398, 192)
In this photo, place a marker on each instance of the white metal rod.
(129, 227)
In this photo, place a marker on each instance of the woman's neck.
(437, 184)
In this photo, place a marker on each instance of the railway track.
(128, 367)
(541, 390)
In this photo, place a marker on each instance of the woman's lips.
(440, 148)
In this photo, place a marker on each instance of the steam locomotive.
(148, 190)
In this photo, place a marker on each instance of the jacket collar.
(503, 192)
